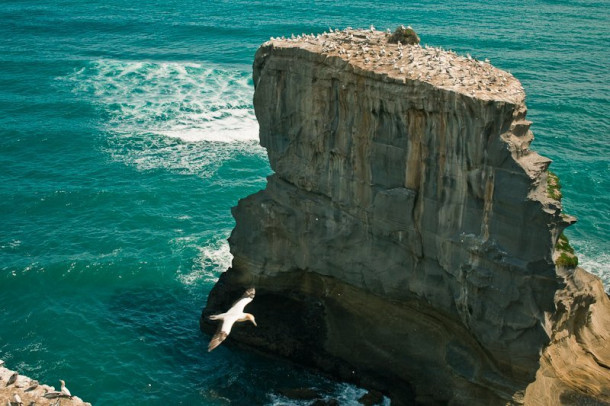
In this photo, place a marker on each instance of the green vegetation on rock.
(567, 260)
(553, 186)
(563, 244)
(404, 35)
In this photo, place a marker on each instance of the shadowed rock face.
(406, 240)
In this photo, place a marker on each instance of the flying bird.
(230, 317)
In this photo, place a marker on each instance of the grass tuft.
(553, 186)
(406, 36)
(567, 260)
(563, 244)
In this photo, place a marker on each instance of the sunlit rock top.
(371, 50)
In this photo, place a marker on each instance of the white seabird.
(64, 391)
(230, 317)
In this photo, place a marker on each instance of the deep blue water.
(127, 134)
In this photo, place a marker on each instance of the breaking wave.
(184, 117)
(214, 257)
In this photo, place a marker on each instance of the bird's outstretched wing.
(218, 338)
(238, 306)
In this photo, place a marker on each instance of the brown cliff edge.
(30, 392)
(409, 240)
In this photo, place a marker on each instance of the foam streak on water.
(213, 259)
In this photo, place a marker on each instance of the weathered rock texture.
(407, 238)
(30, 392)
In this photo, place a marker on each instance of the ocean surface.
(127, 133)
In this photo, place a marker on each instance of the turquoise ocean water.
(127, 134)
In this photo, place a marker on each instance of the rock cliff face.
(407, 239)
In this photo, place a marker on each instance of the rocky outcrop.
(575, 367)
(406, 240)
(18, 390)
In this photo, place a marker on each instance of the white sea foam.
(592, 259)
(213, 259)
(10, 245)
(343, 393)
(179, 116)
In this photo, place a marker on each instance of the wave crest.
(174, 115)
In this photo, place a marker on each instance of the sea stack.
(409, 240)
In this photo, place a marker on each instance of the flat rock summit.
(371, 50)
(409, 241)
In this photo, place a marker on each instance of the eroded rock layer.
(406, 240)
